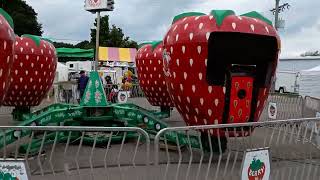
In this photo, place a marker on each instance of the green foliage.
(24, 17)
(84, 45)
(111, 36)
(62, 44)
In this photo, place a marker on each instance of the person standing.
(82, 83)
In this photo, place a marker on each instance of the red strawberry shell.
(6, 48)
(33, 71)
(186, 61)
(150, 74)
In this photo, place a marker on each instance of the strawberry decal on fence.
(151, 71)
(256, 170)
(189, 62)
(33, 71)
(7, 49)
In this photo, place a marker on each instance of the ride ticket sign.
(13, 169)
(256, 165)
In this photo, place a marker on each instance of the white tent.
(61, 72)
(309, 84)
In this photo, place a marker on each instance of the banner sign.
(256, 165)
(95, 5)
(13, 169)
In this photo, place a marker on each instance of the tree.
(84, 45)
(24, 17)
(111, 37)
(62, 44)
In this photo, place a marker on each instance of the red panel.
(240, 108)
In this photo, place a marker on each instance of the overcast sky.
(144, 20)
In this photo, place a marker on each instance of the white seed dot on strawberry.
(179, 98)
(168, 37)
(185, 75)
(159, 61)
(181, 87)
(184, 19)
(201, 101)
(207, 35)
(177, 37)
(21, 49)
(4, 45)
(175, 28)
(234, 25)
(147, 54)
(191, 36)
(196, 119)
(224, 90)
(186, 26)
(171, 49)
(199, 49)
(200, 76)
(191, 62)
(252, 27)
(210, 89)
(200, 26)
(196, 18)
(206, 62)
(183, 48)
(163, 82)
(240, 18)
(267, 29)
(205, 121)
(209, 112)
(193, 88)
(210, 17)
(216, 102)
(16, 72)
(174, 75)
(3, 85)
(1, 71)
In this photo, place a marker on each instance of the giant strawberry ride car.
(219, 67)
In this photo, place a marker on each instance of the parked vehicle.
(287, 82)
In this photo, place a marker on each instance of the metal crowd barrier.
(288, 107)
(79, 152)
(292, 145)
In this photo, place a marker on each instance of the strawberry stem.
(220, 15)
(187, 14)
(254, 14)
(7, 17)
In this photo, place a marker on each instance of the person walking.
(82, 83)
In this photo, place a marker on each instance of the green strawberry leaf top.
(35, 38)
(254, 14)
(220, 15)
(153, 44)
(187, 14)
(7, 17)
(256, 164)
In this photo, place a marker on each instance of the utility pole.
(97, 42)
(276, 15)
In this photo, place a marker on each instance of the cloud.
(144, 20)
